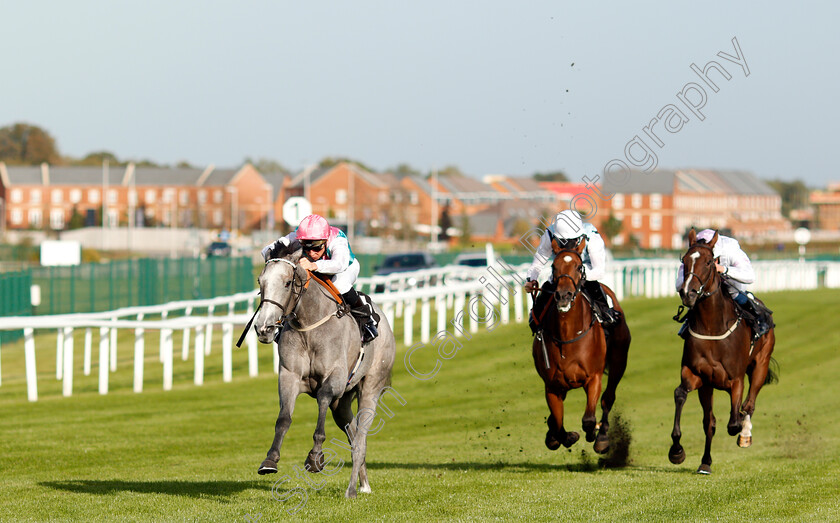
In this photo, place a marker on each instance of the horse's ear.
(692, 237)
(714, 240)
(581, 245)
(555, 246)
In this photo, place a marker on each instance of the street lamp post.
(234, 207)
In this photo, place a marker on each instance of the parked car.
(472, 259)
(404, 262)
(219, 249)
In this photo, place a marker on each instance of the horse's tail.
(772, 372)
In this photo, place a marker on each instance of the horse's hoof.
(350, 494)
(676, 455)
(704, 469)
(314, 462)
(733, 429)
(267, 467)
(365, 489)
(744, 441)
(571, 439)
(590, 436)
(602, 445)
(551, 442)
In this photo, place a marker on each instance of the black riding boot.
(598, 298)
(363, 313)
(757, 315)
(535, 318)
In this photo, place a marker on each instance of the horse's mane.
(282, 250)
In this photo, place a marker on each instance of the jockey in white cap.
(567, 230)
(737, 272)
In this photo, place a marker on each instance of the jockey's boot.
(535, 318)
(598, 298)
(757, 315)
(364, 314)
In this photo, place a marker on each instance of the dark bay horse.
(321, 354)
(574, 352)
(718, 352)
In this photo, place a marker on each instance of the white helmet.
(567, 225)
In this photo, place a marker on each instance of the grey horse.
(319, 359)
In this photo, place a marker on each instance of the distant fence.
(452, 297)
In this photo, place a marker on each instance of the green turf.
(468, 444)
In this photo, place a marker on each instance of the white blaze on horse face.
(693, 257)
(567, 258)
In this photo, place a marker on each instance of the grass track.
(468, 444)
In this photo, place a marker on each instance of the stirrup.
(369, 332)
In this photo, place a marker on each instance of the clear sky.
(490, 86)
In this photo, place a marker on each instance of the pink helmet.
(313, 227)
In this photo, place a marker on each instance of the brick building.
(50, 197)
(826, 205)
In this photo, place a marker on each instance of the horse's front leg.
(593, 391)
(736, 392)
(331, 389)
(705, 392)
(689, 382)
(556, 434)
(288, 386)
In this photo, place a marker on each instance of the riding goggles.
(567, 243)
(312, 245)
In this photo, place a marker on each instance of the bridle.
(581, 270)
(299, 286)
(709, 279)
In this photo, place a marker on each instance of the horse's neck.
(712, 311)
(314, 304)
(576, 318)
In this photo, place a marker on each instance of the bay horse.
(573, 352)
(321, 354)
(718, 352)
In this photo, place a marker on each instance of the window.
(655, 222)
(636, 220)
(184, 197)
(618, 240)
(93, 196)
(113, 218)
(413, 198)
(17, 196)
(677, 241)
(56, 219)
(218, 216)
(655, 241)
(75, 195)
(636, 200)
(218, 196)
(17, 217)
(35, 197)
(168, 195)
(132, 197)
(56, 196)
(618, 201)
(340, 196)
(655, 201)
(112, 196)
(35, 218)
(151, 195)
(202, 196)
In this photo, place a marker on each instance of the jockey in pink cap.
(327, 251)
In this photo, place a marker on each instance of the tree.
(402, 170)
(554, 176)
(330, 161)
(450, 170)
(77, 221)
(794, 194)
(268, 166)
(445, 223)
(24, 144)
(612, 227)
(466, 232)
(98, 158)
